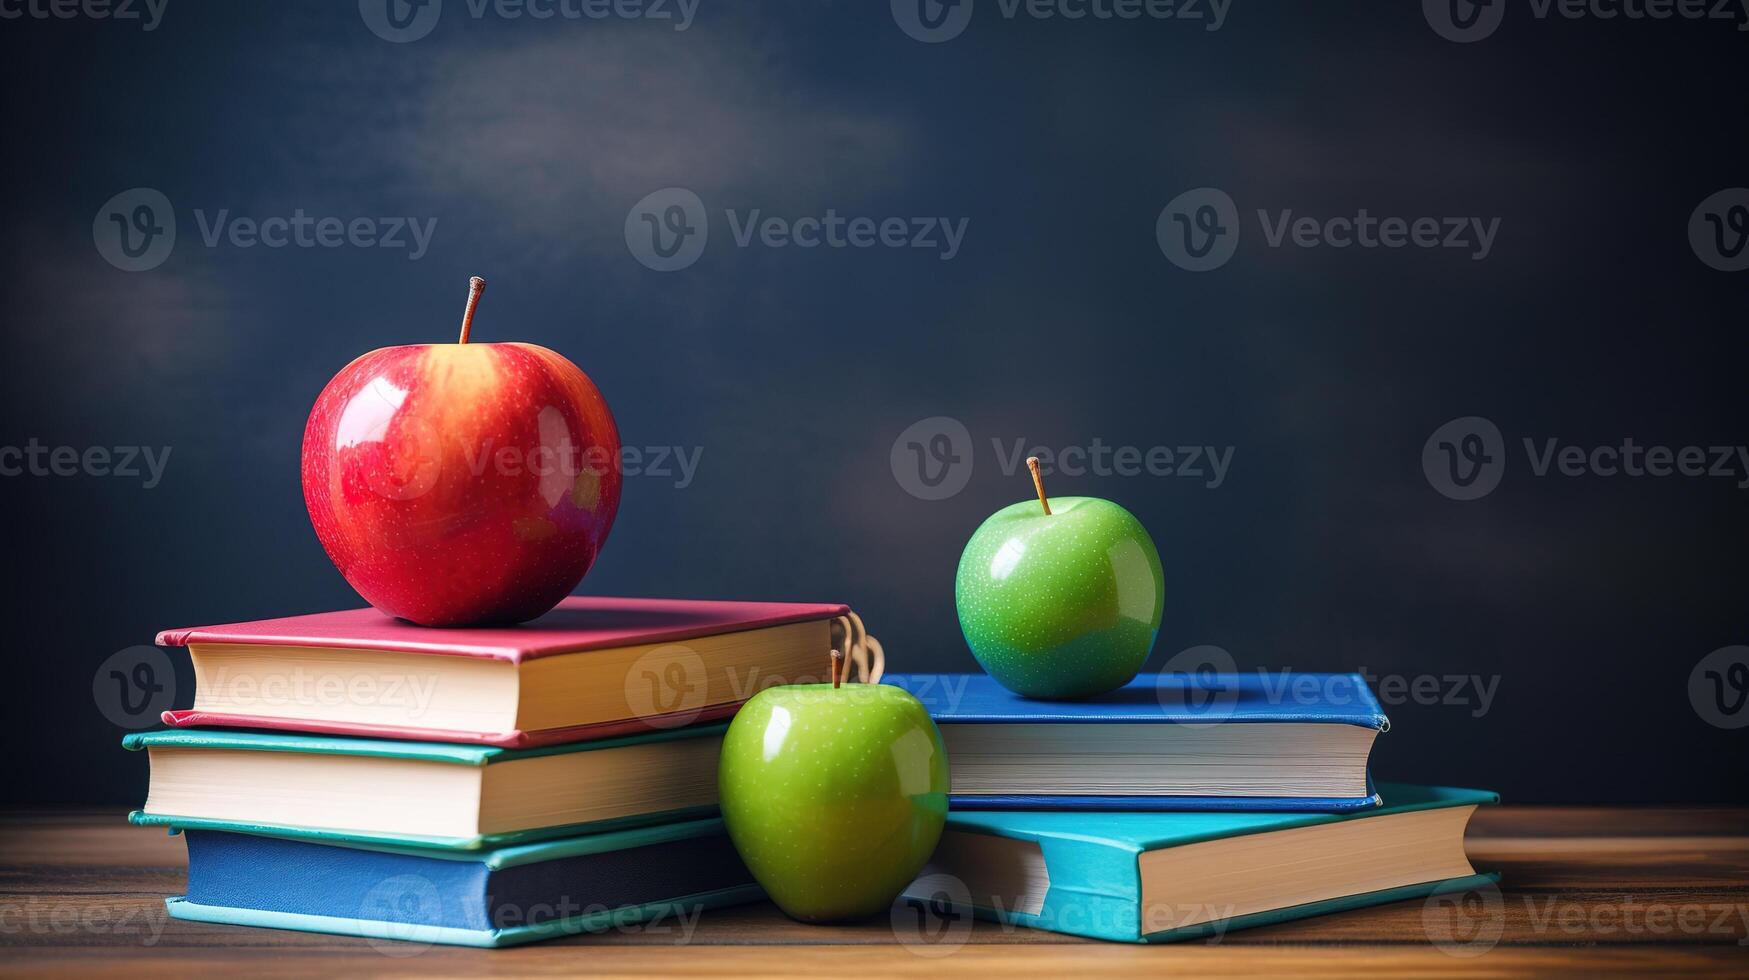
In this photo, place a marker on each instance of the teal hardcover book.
(338, 789)
(660, 878)
(1164, 876)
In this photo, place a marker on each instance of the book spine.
(1094, 891)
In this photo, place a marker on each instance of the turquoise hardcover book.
(333, 788)
(1164, 876)
(656, 877)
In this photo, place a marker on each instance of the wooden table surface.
(1588, 890)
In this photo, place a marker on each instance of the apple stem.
(837, 666)
(1038, 484)
(476, 286)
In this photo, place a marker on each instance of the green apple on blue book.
(834, 796)
(1060, 599)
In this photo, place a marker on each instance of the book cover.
(575, 625)
(579, 624)
(497, 897)
(1164, 699)
(1085, 877)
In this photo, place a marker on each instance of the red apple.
(462, 484)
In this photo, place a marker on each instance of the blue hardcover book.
(1158, 877)
(1280, 742)
(494, 897)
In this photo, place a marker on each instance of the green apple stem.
(1038, 484)
(837, 666)
(476, 286)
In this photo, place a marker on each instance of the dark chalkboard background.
(1582, 604)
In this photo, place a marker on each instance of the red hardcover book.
(591, 668)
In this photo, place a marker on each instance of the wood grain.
(1628, 891)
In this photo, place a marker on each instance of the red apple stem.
(476, 286)
(1038, 483)
(837, 666)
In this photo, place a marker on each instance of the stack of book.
(352, 773)
(1178, 807)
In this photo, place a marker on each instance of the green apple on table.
(1060, 598)
(834, 796)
